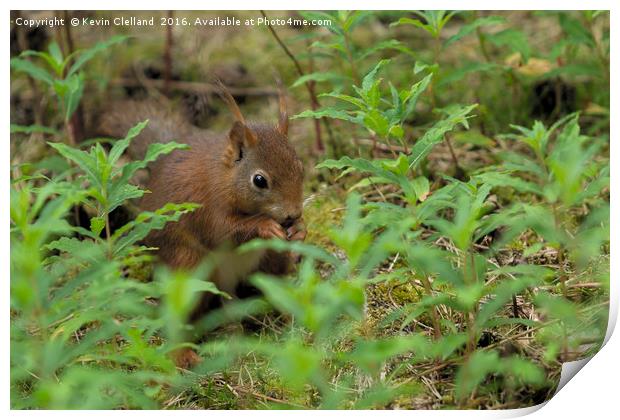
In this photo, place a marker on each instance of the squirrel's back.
(165, 124)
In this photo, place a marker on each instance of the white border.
(592, 394)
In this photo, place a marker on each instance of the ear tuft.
(250, 136)
(283, 117)
(229, 101)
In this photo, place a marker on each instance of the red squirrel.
(248, 182)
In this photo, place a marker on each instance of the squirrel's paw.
(269, 229)
(297, 232)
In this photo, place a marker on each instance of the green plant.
(460, 212)
(80, 325)
(63, 74)
(110, 187)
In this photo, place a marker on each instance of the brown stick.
(75, 124)
(68, 37)
(459, 171)
(168, 56)
(195, 87)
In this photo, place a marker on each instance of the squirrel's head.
(266, 173)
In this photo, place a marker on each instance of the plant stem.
(471, 314)
(354, 72)
(108, 235)
(482, 42)
(434, 315)
(75, 124)
(599, 50)
(314, 102)
(459, 172)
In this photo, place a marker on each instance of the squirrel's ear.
(240, 137)
(283, 118)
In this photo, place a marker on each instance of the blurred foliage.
(506, 262)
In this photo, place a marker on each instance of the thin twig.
(75, 124)
(314, 102)
(457, 167)
(168, 55)
(195, 87)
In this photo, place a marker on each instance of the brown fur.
(217, 173)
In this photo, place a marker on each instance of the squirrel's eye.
(259, 181)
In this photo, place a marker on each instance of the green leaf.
(480, 364)
(447, 345)
(32, 70)
(347, 98)
(181, 291)
(470, 27)
(370, 355)
(145, 222)
(296, 362)
(415, 22)
(410, 99)
(376, 122)
(421, 186)
(307, 250)
(370, 77)
(468, 295)
(576, 69)
(85, 161)
(506, 179)
(355, 18)
(120, 145)
(57, 57)
(85, 56)
(514, 39)
(390, 44)
(96, 225)
(79, 249)
(557, 307)
(397, 132)
(72, 97)
(501, 294)
(524, 370)
(57, 67)
(319, 77)
(328, 112)
(153, 152)
(118, 194)
(29, 129)
(373, 167)
(435, 21)
(576, 31)
(434, 135)
(398, 166)
(473, 137)
(430, 261)
(421, 66)
(458, 73)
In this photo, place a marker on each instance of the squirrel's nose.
(290, 221)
